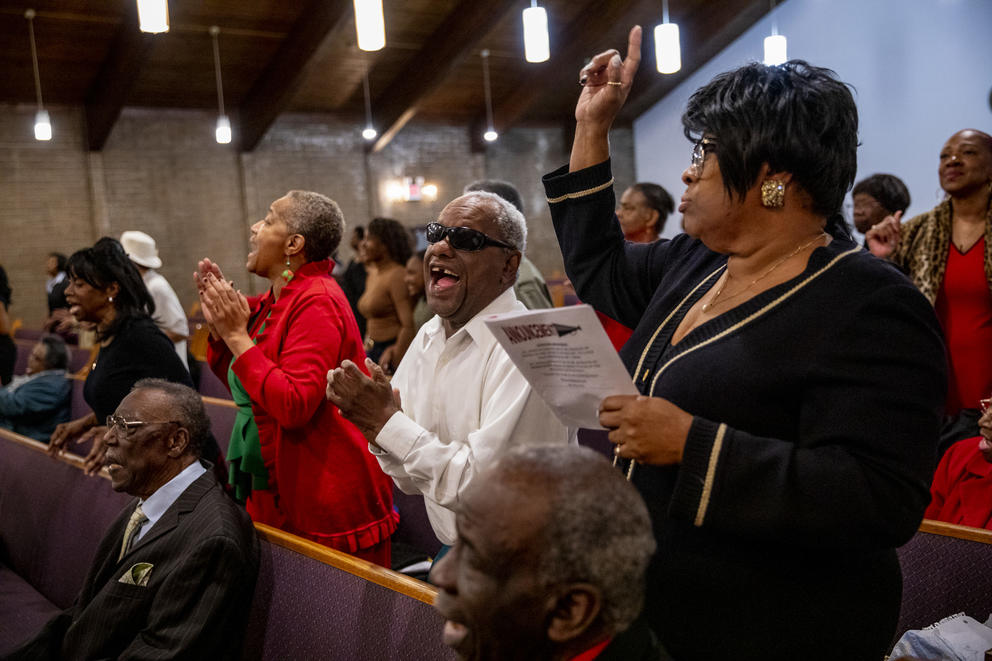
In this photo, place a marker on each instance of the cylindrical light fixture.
(223, 131)
(42, 122)
(668, 52)
(369, 132)
(490, 135)
(775, 45)
(536, 45)
(370, 26)
(153, 16)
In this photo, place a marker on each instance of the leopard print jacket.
(923, 245)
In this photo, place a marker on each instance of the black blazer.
(205, 561)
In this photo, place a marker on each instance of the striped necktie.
(133, 524)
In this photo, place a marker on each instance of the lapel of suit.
(105, 563)
(185, 503)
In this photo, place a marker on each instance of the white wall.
(922, 70)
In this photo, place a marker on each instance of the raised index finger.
(633, 59)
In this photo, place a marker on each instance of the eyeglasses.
(699, 151)
(462, 238)
(120, 427)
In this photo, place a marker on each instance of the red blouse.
(962, 487)
(964, 308)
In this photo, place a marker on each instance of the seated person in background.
(553, 546)
(961, 492)
(876, 197)
(175, 573)
(463, 401)
(414, 280)
(169, 314)
(33, 404)
(642, 212)
(8, 351)
(530, 288)
(57, 282)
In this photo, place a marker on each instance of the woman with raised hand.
(300, 465)
(783, 451)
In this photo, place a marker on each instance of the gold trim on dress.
(581, 193)
(704, 500)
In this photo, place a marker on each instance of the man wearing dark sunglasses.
(463, 401)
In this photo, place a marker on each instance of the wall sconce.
(411, 189)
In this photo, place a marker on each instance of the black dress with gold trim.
(816, 408)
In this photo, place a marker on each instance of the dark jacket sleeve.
(869, 423)
(615, 277)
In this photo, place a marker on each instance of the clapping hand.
(367, 403)
(883, 238)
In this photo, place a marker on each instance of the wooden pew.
(945, 570)
(310, 601)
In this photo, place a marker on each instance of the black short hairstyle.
(318, 219)
(103, 265)
(657, 198)
(360, 231)
(187, 408)
(504, 189)
(394, 237)
(795, 117)
(56, 352)
(5, 290)
(887, 189)
(60, 259)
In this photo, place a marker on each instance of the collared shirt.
(157, 503)
(54, 280)
(464, 403)
(169, 314)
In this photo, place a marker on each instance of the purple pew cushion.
(942, 576)
(23, 611)
(305, 609)
(415, 528)
(221, 422)
(210, 385)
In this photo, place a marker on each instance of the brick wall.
(161, 172)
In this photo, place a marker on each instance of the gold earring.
(773, 194)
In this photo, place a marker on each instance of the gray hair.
(56, 352)
(318, 219)
(187, 407)
(509, 222)
(598, 529)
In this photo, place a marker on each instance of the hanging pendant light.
(42, 122)
(775, 45)
(490, 135)
(369, 133)
(223, 131)
(668, 53)
(153, 16)
(536, 44)
(370, 26)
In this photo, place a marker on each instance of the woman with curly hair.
(386, 306)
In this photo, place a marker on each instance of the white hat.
(141, 249)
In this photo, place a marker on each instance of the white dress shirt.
(165, 495)
(169, 314)
(464, 403)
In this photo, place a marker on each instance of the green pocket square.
(137, 575)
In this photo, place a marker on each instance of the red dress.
(964, 308)
(962, 487)
(324, 485)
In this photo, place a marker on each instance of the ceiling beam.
(584, 29)
(454, 39)
(275, 88)
(108, 93)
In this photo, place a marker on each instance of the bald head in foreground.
(549, 562)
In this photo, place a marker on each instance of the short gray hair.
(509, 222)
(187, 407)
(598, 529)
(318, 219)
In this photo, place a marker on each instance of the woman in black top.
(106, 290)
(791, 384)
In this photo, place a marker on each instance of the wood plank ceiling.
(283, 56)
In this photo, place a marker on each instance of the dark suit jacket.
(205, 560)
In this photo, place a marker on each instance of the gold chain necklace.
(707, 306)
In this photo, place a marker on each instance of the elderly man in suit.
(175, 574)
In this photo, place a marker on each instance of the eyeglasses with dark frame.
(462, 238)
(702, 147)
(120, 427)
